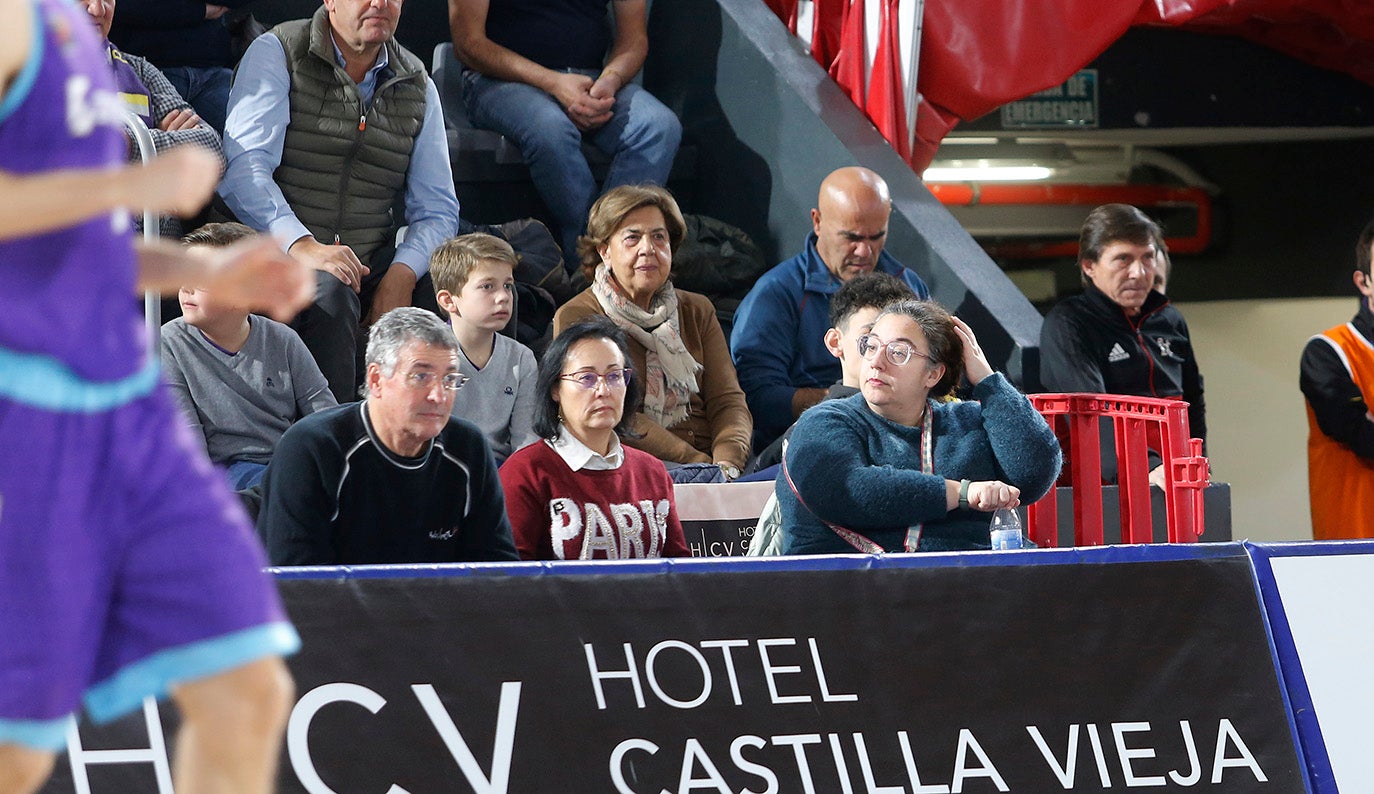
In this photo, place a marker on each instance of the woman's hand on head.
(976, 365)
(989, 495)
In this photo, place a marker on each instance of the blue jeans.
(243, 474)
(206, 88)
(641, 139)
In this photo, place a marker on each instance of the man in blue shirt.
(331, 125)
(778, 340)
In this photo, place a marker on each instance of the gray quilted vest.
(343, 166)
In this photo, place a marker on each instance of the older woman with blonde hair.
(694, 409)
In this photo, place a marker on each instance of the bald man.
(778, 340)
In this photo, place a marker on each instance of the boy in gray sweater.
(474, 283)
(239, 379)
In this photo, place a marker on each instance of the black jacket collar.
(1101, 305)
(1364, 320)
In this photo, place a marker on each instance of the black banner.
(1086, 676)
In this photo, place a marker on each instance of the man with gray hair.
(393, 478)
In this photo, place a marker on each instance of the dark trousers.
(331, 328)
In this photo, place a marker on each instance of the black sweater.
(172, 32)
(334, 495)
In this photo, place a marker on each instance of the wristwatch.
(963, 493)
(730, 471)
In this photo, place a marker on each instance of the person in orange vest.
(1337, 379)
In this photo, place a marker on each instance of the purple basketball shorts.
(126, 565)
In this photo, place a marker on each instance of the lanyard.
(855, 539)
(913, 532)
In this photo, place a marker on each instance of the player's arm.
(254, 273)
(178, 182)
(37, 203)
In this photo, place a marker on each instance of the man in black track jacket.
(1121, 336)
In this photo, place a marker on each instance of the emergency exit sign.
(1072, 104)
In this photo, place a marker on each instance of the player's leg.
(194, 615)
(54, 581)
(23, 769)
(231, 729)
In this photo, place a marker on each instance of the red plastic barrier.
(1139, 424)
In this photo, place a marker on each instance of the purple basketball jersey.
(68, 294)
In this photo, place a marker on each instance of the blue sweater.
(778, 339)
(863, 472)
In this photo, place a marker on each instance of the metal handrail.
(152, 301)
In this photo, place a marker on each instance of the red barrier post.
(1138, 424)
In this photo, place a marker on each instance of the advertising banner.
(1317, 595)
(1100, 669)
(718, 519)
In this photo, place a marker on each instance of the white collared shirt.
(579, 456)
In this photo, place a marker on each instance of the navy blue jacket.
(778, 339)
(334, 494)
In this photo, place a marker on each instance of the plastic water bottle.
(1005, 530)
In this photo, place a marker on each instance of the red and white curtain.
(870, 48)
(976, 55)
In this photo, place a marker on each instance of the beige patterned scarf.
(671, 378)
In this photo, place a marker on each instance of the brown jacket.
(718, 425)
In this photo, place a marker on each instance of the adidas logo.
(1117, 354)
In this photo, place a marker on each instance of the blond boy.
(474, 283)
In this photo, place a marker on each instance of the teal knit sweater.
(860, 471)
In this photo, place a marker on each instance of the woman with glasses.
(897, 467)
(579, 494)
(694, 409)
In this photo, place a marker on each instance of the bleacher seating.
(489, 173)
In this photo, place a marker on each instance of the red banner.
(977, 55)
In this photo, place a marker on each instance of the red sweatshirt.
(555, 513)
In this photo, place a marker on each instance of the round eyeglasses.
(897, 352)
(615, 379)
(424, 381)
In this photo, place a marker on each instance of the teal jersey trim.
(44, 382)
(154, 675)
(47, 735)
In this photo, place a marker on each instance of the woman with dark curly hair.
(580, 494)
(898, 468)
